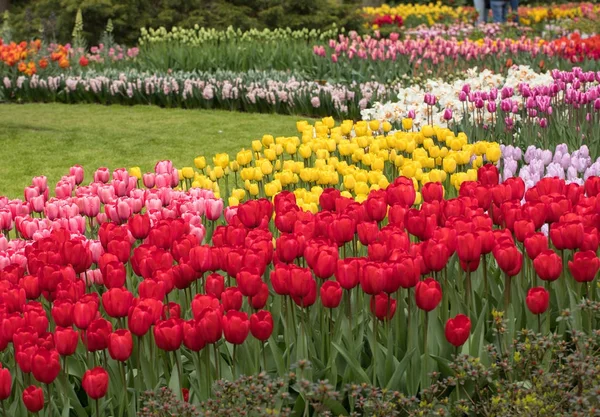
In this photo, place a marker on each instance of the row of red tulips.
(280, 274)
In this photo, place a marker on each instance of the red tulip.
(24, 355)
(584, 266)
(509, 258)
(408, 272)
(120, 345)
(383, 306)
(428, 294)
(280, 277)
(116, 302)
(342, 229)
(232, 299)
(33, 398)
(457, 330)
(432, 191)
(468, 247)
(535, 244)
(211, 326)
(96, 335)
(401, 191)
(66, 340)
(62, 313)
(372, 278)
(120, 248)
(548, 265)
(249, 281)
(250, 214)
(331, 294)
(85, 310)
(420, 224)
(368, 232)
(567, 235)
(325, 262)
(192, 336)
(260, 300)
(235, 327)
(287, 248)
(168, 334)
(488, 175)
(139, 319)
(348, 272)
(95, 382)
(523, 228)
(376, 208)
(436, 255)
(215, 285)
(309, 298)
(261, 325)
(77, 255)
(201, 258)
(537, 300)
(201, 302)
(45, 365)
(328, 197)
(139, 226)
(114, 275)
(5, 383)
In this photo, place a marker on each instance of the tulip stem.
(179, 370)
(217, 361)
(264, 354)
(539, 320)
(97, 409)
(468, 288)
(3, 409)
(507, 285)
(233, 362)
(122, 371)
(425, 352)
(374, 349)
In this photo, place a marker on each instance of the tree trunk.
(4, 5)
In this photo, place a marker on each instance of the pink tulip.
(214, 208)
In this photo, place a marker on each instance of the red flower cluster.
(388, 20)
(577, 49)
(92, 298)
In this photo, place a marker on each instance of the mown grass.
(46, 139)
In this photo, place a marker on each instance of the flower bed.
(377, 256)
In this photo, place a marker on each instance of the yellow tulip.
(328, 121)
(253, 189)
(449, 165)
(200, 162)
(267, 140)
(387, 126)
(135, 172)
(233, 202)
(427, 131)
(301, 125)
(256, 146)
(221, 160)
(219, 172)
(407, 124)
(290, 148)
(187, 172)
(349, 182)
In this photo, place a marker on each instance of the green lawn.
(46, 139)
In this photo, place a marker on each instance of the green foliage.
(128, 16)
(5, 32)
